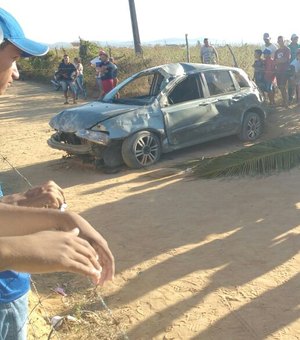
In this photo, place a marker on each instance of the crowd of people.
(275, 66)
(278, 65)
(70, 75)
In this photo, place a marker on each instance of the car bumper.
(81, 149)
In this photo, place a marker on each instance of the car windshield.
(141, 90)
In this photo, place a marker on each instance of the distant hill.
(169, 41)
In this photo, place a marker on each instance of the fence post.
(187, 48)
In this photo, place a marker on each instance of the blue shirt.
(109, 69)
(13, 284)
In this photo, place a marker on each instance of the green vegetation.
(43, 68)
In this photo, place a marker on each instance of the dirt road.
(196, 259)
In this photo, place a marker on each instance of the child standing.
(269, 75)
(259, 69)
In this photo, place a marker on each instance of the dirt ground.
(195, 259)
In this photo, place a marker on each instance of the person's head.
(280, 41)
(267, 38)
(103, 55)
(77, 60)
(267, 53)
(205, 41)
(294, 38)
(257, 54)
(14, 45)
(66, 59)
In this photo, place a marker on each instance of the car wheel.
(112, 156)
(252, 126)
(141, 149)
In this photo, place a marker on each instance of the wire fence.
(93, 320)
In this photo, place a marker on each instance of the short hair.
(258, 51)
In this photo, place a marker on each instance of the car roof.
(177, 69)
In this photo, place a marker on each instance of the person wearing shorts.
(106, 68)
(67, 75)
(269, 75)
(282, 62)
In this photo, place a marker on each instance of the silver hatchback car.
(159, 110)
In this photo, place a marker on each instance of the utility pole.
(135, 29)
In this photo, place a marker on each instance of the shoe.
(66, 102)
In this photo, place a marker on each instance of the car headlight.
(93, 136)
(99, 127)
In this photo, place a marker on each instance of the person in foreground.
(34, 239)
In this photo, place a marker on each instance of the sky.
(222, 22)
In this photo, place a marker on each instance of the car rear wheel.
(141, 149)
(252, 126)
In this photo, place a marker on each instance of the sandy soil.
(196, 259)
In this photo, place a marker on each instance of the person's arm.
(201, 55)
(49, 251)
(48, 195)
(20, 221)
(216, 54)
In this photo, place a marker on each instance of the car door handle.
(237, 98)
(207, 103)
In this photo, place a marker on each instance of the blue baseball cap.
(267, 51)
(12, 31)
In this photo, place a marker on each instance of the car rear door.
(225, 100)
(187, 116)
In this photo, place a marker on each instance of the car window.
(219, 82)
(240, 79)
(187, 89)
(141, 90)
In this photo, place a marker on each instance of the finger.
(84, 248)
(58, 188)
(107, 263)
(78, 266)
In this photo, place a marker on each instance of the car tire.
(141, 149)
(252, 126)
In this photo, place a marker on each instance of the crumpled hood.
(88, 115)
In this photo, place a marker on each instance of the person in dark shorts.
(282, 62)
(259, 68)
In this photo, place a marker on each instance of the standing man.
(106, 69)
(93, 63)
(208, 53)
(67, 75)
(267, 44)
(282, 63)
(34, 239)
(294, 47)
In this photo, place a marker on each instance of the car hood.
(88, 115)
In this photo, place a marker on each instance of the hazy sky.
(221, 21)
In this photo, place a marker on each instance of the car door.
(225, 100)
(188, 114)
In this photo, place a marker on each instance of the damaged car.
(159, 110)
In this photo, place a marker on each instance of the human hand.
(87, 232)
(48, 195)
(50, 251)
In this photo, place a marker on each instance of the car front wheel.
(252, 126)
(141, 149)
